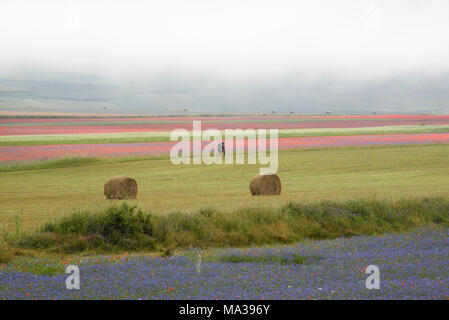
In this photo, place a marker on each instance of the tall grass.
(128, 228)
(6, 252)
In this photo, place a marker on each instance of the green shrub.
(118, 227)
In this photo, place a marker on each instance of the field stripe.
(116, 150)
(164, 127)
(158, 136)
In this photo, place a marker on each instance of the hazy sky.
(227, 55)
(227, 37)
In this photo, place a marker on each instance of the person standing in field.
(223, 148)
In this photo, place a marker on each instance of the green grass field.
(45, 193)
(132, 137)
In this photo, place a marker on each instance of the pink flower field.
(107, 125)
(115, 150)
(91, 125)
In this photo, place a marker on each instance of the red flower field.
(149, 127)
(33, 153)
(86, 125)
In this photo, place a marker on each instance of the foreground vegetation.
(127, 227)
(413, 266)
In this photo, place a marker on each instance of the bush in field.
(121, 227)
(127, 227)
(124, 220)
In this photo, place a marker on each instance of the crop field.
(78, 126)
(44, 152)
(157, 136)
(51, 168)
(229, 155)
(36, 139)
(310, 175)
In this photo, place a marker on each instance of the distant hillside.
(175, 94)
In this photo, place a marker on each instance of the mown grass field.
(43, 194)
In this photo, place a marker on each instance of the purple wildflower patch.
(412, 266)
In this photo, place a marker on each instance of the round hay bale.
(120, 188)
(265, 184)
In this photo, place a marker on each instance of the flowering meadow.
(104, 125)
(412, 266)
(54, 138)
(116, 150)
